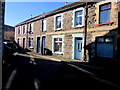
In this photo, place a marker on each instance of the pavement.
(107, 72)
(99, 63)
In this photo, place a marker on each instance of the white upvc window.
(44, 25)
(31, 27)
(78, 17)
(58, 44)
(24, 28)
(58, 22)
(19, 29)
(31, 42)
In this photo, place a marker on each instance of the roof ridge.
(50, 12)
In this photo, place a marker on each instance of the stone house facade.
(78, 31)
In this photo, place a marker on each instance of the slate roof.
(61, 9)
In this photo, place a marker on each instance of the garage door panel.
(105, 50)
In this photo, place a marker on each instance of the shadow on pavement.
(41, 74)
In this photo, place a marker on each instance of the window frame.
(55, 18)
(43, 25)
(105, 10)
(31, 28)
(53, 44)
(83, 17)
(24, 27)
(32, 44)
(19, 30)
(104, 39)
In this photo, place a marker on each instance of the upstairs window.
(105, 13)
(31, 27)
(78, 17)
(19, 30)
(58, 22)
(24, 30)
(43, 23)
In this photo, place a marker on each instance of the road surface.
(38, 74)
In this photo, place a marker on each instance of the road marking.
(81, 69)
(94, 76)
(10, 80)
(37, 84)
(32, 60)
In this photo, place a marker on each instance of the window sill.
(44, 31)
(58, 29)
(31, 47)
(30, 32)
(105, 23)
(80, 26)
(61, 53)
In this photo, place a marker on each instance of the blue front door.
(78, 48)
(38, 44)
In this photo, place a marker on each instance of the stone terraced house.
(78, 31)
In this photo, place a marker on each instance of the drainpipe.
(85, 31)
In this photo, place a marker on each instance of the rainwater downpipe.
(85, 31)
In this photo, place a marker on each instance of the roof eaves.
(62, 9)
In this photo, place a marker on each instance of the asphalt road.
(29, 73)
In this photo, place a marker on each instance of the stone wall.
(95, 30)
(67, 20)
(68, 46)
(67, 31)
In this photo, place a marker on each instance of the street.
(40, 74)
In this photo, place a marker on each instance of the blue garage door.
(105, 47)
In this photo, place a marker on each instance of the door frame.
(20, 41)
(24, 42)
(40, 43)
(42, 40)
(42, 50)
(73, 45)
